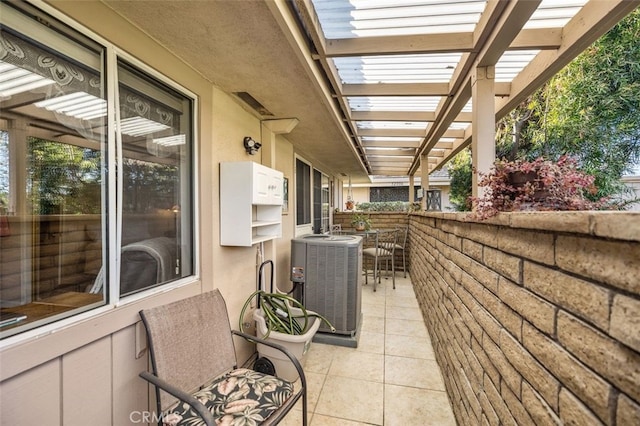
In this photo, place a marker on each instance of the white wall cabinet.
(250, 203)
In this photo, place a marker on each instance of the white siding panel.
(32, 398)
(130, 392)
(86, 385)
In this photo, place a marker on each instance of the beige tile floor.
(390, 379)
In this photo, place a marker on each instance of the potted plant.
(360, 222)
(283, 320)
(349, 204)
(280, 313)
(540, 184)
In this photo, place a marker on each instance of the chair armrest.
(181, 395)
(281, 348)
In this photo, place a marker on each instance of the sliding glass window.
(155, 128)
(60, 187)
(303, 193)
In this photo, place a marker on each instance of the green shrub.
(388, 206)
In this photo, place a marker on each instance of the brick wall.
(534, 317)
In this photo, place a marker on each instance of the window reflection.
(52, 146)
(54, 175)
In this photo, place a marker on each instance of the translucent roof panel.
(418, 125)
(404, 159)
(393, 103)
(388, 148)
(391, 138)
(366, 18)
(432, 68)
(554, 13)
(459, 125)
(512, 62)
(411, 75)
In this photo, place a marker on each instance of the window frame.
(320, 212)
(114, 267)
(113, 196)
(308, 228)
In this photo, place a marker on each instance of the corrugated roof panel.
(432, 68)
(391, 138)
(420, 125)
(393, 103)
(512, 62)
(366, 18)
(554, 13)
(348, 19)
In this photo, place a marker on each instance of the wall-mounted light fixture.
(251, 145)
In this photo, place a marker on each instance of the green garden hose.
(278, 316)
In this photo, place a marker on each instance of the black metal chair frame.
(190, 344)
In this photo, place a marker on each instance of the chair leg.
(366, 273)
(304, 408)
(375, 274)
(393, 272)
(386, 268)
(404, 265)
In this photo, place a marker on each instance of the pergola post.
(483, 144)
(424, 179)
(412, 189)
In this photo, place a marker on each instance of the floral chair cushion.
(242, 397)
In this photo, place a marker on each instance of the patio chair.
(401, 246)
(382, 250)
(195, 372)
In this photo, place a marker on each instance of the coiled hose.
(278, 315)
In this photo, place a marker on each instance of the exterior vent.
(253, 103)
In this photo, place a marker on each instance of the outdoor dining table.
(370, 239)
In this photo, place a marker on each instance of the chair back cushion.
(190, 342)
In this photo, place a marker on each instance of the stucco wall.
(534, 318)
